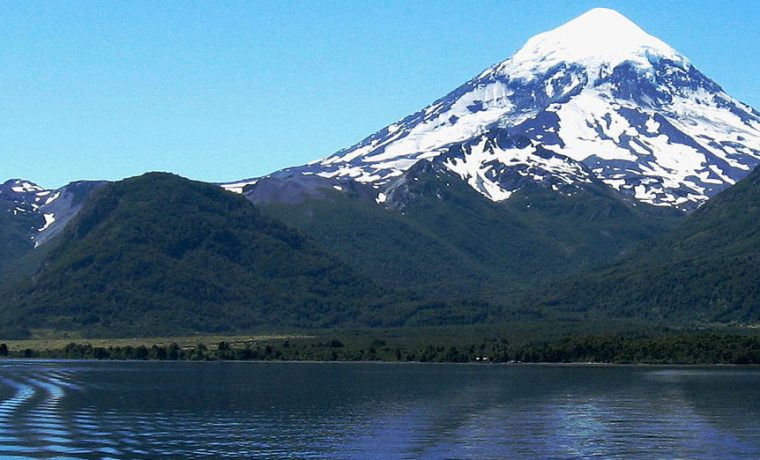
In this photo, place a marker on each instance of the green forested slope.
(706, 270)
(442, 237)
(158, 254)
(15, 232)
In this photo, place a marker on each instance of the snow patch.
(237, 187)
(49, 220)
(25, 187)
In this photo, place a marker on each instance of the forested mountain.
(160, 254)
(556, 182)
(437, 235)
(707, 270)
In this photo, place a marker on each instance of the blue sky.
(220, 91)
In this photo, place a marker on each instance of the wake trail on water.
(32, 421)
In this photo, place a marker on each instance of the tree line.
(683, 349)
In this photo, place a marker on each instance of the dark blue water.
(297, 410)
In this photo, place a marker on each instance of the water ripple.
(134, 410)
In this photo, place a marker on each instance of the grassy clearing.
(523, 332)
(534, 340)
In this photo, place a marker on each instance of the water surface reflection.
(297, 410)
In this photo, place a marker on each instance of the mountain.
(706, 270)
(435, 235)
(31, 215)
(158, 254)
(19, 219)
(62, 206)
(596, 98)
(592, 140)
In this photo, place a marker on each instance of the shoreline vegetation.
(687, 348)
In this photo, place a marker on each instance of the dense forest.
(437, 236)
(159, 254)
(705, 271)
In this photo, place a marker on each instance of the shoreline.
(677, 349)
(381, 362)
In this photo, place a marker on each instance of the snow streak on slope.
(56, 207)
(598, 95)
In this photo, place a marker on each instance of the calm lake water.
(297, 410)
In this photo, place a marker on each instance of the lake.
(63, 409)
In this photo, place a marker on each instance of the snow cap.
(600, 38)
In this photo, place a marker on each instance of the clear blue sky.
(219, 91)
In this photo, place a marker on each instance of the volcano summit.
(596, 99)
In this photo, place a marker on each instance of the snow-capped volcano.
(599, 40)
(594, 99)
